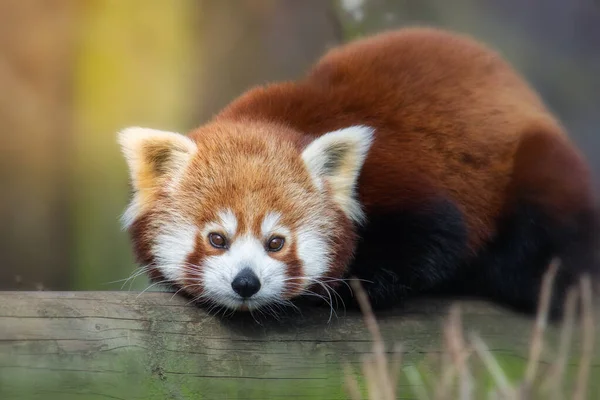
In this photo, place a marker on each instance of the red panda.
(416, 160)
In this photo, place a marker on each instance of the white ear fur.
(155, 159)
(153, 155)
(337, 158)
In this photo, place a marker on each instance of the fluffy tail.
(553, 177)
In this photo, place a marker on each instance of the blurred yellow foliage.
(133, 68)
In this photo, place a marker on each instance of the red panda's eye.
(217, 240)
(275, 244)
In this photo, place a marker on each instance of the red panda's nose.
(246, 283)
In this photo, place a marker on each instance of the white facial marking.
(171, 249)
(226, 222)
(313, 252)
(229, 222)
(270, 225)
(245, 252)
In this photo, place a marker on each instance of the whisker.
(273, 312)
(179, 290)
(289, 303)
(137, 272)
(134, 274)
(214, 309)
(328, 279)
(328, 289)
(253, 317)
(152, 285)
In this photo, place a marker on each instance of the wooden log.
(126, 346)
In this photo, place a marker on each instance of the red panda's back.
(448, 115)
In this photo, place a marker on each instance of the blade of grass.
(395, 367)
(450, 359)
(588, 336)
(416, 382)
(537, 338)
(447, 374)
(351, 383)
(493, 367)
(459, 351)
(380, 363)
(553, 385)
(370, 371)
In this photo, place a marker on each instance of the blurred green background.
(74, 72)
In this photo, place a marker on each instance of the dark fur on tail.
(551, 214)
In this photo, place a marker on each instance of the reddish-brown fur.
(452, 121)
(448, 120)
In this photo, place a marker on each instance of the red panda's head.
(244, 215)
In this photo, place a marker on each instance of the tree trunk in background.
(245, 43)
(36, 59)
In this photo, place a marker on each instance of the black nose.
(246, 283)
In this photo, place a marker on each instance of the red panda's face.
(241, 215)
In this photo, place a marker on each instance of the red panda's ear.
(154, 157)
(337, 158)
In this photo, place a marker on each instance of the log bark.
(122, 345)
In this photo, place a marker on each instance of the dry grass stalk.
(448, 373)
(396, 364)
(352, 386)
(453, 358)
(496, 372)
(382, 378)
(466, 380)
(379, 370)
(537, 338)
(375, 388)
(459, 351)
(553, 385)
(417, 384)
(588, 336)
